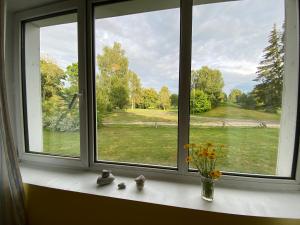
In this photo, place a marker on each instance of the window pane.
(237, 93)
(137, 82)
(51, 69)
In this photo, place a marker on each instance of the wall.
(47, 206)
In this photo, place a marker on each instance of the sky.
(227, 36)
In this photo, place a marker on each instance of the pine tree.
(270, 73)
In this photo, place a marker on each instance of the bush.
(246, 101)
(199, 102)
(57, 116)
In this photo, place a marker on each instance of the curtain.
(12, 211)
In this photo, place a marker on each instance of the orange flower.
(200, 153)
(205, 152)
(193, 145)
(212, 155)
(209, 144)
(186, 146)
(188, 159)
(215, 174)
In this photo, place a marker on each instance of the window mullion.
(184, 81)
(83, 83)
(90, 82)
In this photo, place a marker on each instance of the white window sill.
(275, 204)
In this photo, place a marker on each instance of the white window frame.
(87, 117)
(41, 12)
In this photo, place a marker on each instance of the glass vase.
(207, 189)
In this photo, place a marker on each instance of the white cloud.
(60, 43)
(227, 36)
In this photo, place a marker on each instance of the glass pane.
(237, 82)
(51, 68)
(137, 82)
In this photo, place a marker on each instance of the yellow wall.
(47, 206)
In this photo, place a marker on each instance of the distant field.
(235, 112)
(249, 150)
(152, 115)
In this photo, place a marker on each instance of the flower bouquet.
(204, 158)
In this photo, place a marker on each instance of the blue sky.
(226, 36)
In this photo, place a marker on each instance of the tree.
(149, 98)
(119, 93)
(113, 61)
(247, 101)
(199, 101)
(113, 67)
(223, 97)
(270, 74)
(71, 82)
(164, 98)
(174, 100)
(52, 77)
(135, 89)
(210, 81)
(52, 84)
(234, 94)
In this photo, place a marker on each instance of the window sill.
(275, 204)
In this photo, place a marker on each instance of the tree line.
(118, 87)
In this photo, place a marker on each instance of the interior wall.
(9, 75)
(47, 206)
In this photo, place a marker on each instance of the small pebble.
(121, 186)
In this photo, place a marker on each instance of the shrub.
(199, 102)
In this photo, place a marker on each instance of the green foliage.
(247, 101)
(150, 98)
(234, 94)
(118, 93)
(112, 83)
(199, 102)
(135, 89)
(164, 98)
(52, 77)
(174, 100)
(223, 97)
(113, 61)
(210, 81)
(270, 74)
(113, 78)
(59, 96)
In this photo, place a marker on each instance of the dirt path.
(211, 122)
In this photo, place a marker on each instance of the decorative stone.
(105, 178)
(105, 173)
(140, 181)
(121, 186)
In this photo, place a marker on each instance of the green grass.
(224, 111)
(138, 115)
(249, 150)
(235, 112)
(62, 143)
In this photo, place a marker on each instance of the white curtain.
(12, 211)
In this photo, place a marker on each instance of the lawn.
(235, 112)
(154, 115)
(248, 149)
(252, 150)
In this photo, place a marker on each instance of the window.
(128, 83)
(50, 73)
(136, 73)
(238, 84)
